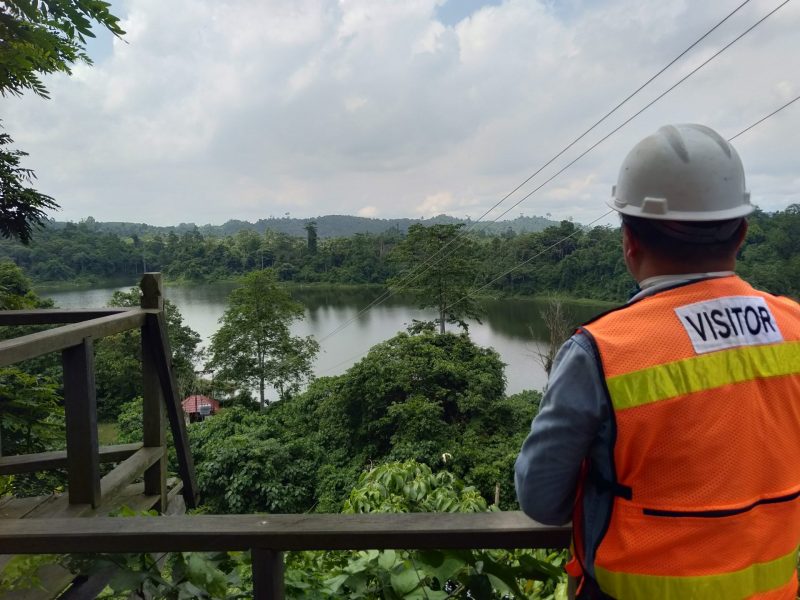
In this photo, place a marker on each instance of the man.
(670, 430)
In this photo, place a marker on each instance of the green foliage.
(392, 575)
(21, 572)
(253, 346)
(587, 264)
(37, 38)
(445, 283)
(400, 487)
(46, 36)
(118, 363)
(22, 208)
(244, 466)
(31, 421)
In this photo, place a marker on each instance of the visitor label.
(729, 322)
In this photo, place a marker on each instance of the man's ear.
(631, 247)
(742, 233)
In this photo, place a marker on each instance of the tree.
(21, 207)
(441, 265)
(38, 37)
(254, 347)
(311, 231)
(46, 36)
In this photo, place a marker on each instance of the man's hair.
(684, 241)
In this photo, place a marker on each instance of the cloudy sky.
(212, 110)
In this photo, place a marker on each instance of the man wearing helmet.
(669, 433)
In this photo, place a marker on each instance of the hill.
(328, 226)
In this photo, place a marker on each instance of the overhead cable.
(565, 238)
(412, 275)
(523, 263)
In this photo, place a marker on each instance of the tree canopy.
(38, 37)
(254, 347)
(441, 264)
(41, 37)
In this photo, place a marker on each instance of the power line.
(565, 238)
(772, 114)
(514, 268)
(411, 276)
(648, 105)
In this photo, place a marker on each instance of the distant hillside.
(327, 226)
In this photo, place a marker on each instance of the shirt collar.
(651, 285)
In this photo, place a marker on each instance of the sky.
(210, 110)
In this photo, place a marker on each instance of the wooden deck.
(41, 510)
(138, 479)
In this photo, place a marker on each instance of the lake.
(513, 327)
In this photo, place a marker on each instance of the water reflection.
(513, 327)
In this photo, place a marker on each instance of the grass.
(107, 434)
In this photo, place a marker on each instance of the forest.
(586, 263)
(421, 423)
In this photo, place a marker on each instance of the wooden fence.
(266, 536)
(74, 338)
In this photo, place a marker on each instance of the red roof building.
(200, 405)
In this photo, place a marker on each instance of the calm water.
(513, 327)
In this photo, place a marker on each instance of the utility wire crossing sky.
(210, 111)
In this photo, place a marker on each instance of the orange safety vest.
(704, 381)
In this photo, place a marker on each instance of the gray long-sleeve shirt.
(576, 422)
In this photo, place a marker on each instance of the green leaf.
(405, 581)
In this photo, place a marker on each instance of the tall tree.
(441, 265)
(311, 231)
(254, 347)
(38, 37)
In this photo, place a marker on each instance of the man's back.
(704, 386)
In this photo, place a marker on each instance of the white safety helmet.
(682, 173)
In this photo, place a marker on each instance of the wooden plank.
(18, 508)
(80, 412)
(267, 568)
(58, 507)
(155, 332)
(55, 316)
(280, 533)
(35, 344)
(43, 461)
(129, 470)
(153, 415)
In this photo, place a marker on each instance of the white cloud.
(435, 204)
(241, 109)
(367, 211)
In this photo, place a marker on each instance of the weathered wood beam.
(43, 342)
(43, 461)
(267, 568)
(129, 470)
(154, 431)
(55, 316)
(280, 533)
(80, 414)
(155, 333)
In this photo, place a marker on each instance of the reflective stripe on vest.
(704, 382)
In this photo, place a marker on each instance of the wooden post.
(157, 339)
(80, 409)
(153, 415)
(267, 568)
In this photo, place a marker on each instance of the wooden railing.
(83, 455)
(268, 536)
